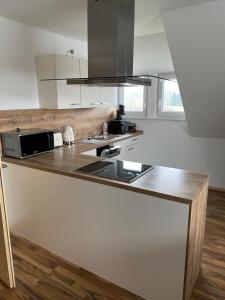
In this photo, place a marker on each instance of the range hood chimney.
(111, 44)
(110, 38)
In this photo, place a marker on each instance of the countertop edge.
(111, 183)
(174, 198)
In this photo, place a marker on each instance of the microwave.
(26, 143)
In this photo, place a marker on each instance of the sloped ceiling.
(197, 43)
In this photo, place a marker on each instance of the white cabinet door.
(123, 145)
(134, 149)
(131, 149)
(109, 96)
(57, 94)
(133, 152)
(90, 95)
(84, 68)
(66, 67)
(68, 95)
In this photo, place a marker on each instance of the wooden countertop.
(168, 183)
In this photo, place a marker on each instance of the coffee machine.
(118, 126)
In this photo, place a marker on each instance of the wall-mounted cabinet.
(57, 94)
(92, 96)
(109, 96)
(89, 94)
(98, 96)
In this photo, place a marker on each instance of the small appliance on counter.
(105, 128)
(118, 126)
(25, 143)
(58, 139)
(68, 135)
(132, 127)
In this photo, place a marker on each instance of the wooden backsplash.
(86, 121)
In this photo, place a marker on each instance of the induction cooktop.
(125, 171)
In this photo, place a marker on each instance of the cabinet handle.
(4, 166)
(129, 149)
(104, 103)
(74, 104)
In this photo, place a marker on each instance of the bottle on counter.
(105, 128)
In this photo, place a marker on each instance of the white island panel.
(133, 240)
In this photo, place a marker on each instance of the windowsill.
(155, 118)
(135, 117)
(172, 118)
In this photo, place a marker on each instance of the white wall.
(152, 54)
(19, 46)
(168, 143)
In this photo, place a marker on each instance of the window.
(169, 99)
(134, 99)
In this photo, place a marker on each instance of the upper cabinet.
(56, 93)
(96, 96)
(109, 96)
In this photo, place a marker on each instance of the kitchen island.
(146, 236)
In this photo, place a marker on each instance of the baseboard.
(216, 189)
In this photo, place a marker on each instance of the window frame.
(166, 115)
(135, 115)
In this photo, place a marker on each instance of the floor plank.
(211, 281)
(42, 276)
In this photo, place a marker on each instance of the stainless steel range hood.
(112, 81)
(111, 45)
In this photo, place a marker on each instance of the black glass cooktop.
(125, 171)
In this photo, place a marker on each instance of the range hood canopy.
(112, 81)
(111, 45)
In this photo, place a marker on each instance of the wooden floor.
(211, 281)
(40, 275)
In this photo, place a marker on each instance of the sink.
(105, 137)
(100, 138)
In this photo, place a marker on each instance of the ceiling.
(69, 17)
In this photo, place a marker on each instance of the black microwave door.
(36, 143)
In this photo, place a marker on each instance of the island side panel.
(6, 262)
(195, 240)
(133, 240)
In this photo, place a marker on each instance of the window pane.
(171, 98)
(134, 99)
